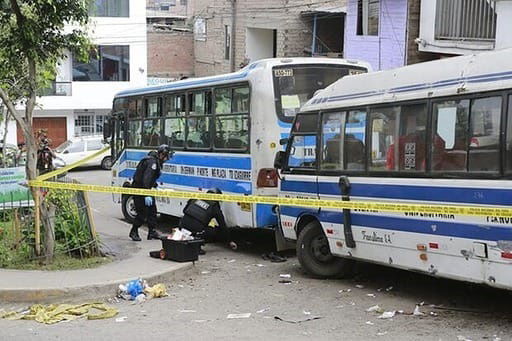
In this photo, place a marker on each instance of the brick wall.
(413, 54)
(170, 54)
(294, 33)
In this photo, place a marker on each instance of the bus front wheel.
(315, 256)
(128, 208)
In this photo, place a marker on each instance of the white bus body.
(437, 132)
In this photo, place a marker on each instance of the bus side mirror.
(279, 159)
(283, 141)
(107, 130)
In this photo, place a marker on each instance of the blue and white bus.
(431, 133)
(224, 129)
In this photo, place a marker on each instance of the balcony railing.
(57, 89)
(468, 20)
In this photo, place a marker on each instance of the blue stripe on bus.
(443, 228)
(188, 83)
(443, 83)
(486, 196)
(210, 160)
(224, 185)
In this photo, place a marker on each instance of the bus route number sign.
(283, 72)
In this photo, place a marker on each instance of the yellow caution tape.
(334, 204)
(71, 166)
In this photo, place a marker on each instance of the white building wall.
(92, 96)
(428, 43)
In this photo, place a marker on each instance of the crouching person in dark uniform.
(147, 172)
(198, 218)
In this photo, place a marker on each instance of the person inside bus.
(147, 172)
(205, 220)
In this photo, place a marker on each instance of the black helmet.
(214, 191)
(165, 150)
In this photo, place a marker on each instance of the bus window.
(198, 135)
(174, 132)
(295, 85)
(405, 124)
(153, 107)
(197, 103)
(132, 109)
(151, 133)
(450, 140)
(484, 151)
(354, 145)
(241, 100)
(383, 131)
(302, 152)
(332, 144)
(232, 132)
(140, 108)
(223, 101)
(135, 135)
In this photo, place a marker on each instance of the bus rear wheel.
(315, 256)
(128, 208)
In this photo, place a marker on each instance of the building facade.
(228, 34)
(383, 32)
(459, 27)
(81, 96)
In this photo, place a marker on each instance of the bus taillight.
(267, 177)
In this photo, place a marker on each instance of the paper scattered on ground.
(297, 321)
(285, 276)
(417, 311)
(387, 315)
(359, 286)
(121, 319)
(263, 310)
(239, 316)
(187, 311)
(375, 308)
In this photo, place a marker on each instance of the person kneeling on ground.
(147, 172)
(205, 220)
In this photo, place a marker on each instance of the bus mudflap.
(344, 185)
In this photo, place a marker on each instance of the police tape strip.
(252, 199)
(71, 166)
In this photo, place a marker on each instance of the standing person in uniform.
(147, 172)
(198, 216)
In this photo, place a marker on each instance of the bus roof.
(238, 76)
(450, 76)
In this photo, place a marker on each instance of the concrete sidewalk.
(101, 282)
(131, 260)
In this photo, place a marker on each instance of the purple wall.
(385, 51)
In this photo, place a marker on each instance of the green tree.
(34, 37)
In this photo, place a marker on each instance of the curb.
(94, 292)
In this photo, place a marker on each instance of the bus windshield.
(295, 85)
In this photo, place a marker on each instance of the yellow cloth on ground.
(157, 290)
(53, 313)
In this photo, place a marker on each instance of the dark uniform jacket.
(147, 172)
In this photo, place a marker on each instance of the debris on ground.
(371, 295)
(285, 281)
(387, 315)
(375, 308)
(54, 313)
(298, 321)
(156, 291)
(359, 286)
(273, 257)
(121, 319)
(239, 316)
(187, 311)
(262, 310)
(344, 290)
(370, 323)
(417, 311)
(285, 275)
(462, 338)
(381, 333)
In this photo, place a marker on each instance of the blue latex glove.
(148, 201)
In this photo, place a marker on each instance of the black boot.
(152, 234)
(134, 234)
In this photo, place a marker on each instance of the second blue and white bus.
(223, 129)
(431, 133)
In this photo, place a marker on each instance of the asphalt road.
(225, 282)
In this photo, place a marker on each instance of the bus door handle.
(345, 187)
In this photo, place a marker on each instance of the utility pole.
(233, 35)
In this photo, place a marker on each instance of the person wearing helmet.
(147, 172)
(204, 219)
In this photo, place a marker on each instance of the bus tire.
(316, 258)
(106, 163)
(128, 208)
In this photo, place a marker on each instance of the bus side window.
(450, 140)
(332, 156)
(354, 145)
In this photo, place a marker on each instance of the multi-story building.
(81, 96)
(456, 27)
(231, 33)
